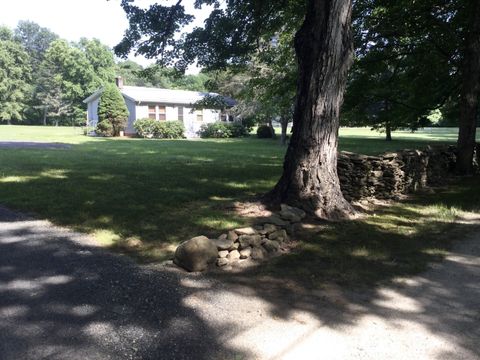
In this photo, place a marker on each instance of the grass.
(163, 192)
(400, 239)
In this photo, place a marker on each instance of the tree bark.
(388, 131)
(470, 91)
(284, 124)
(272, 129)
(324, 49)
(45, 116)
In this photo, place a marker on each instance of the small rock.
(223, 243)
(249, 240)
(269, 228)
(223, 253)
(234, 246)
(233, 255)
(286, 215)
(232, 235)
(222, 261)
(292, 213)
(271, 246)
(245, 241)
(196, 254)
(256, 240)
(222, 237)
(276, 220)
(279, 234)
(246, 231)
(134, 243)
(258, 253)
(245, 253)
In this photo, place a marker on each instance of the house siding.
(132, 111)
(92, 112)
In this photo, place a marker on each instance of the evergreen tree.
(112, 109)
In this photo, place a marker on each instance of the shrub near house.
(112, 112)
(222, 130)
(149, 128)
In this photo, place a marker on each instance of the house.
(163, 105)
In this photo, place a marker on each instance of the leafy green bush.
(222, 130)
(145, 127)
(170, 130)
(248, 123)
(104, 128)
(149, 128)
(215, 130)
(238, 129)
(265, 132)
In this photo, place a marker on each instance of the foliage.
(231, 34)
(149, 128)
(156, 76)
(265, 132)
(221, 129)
(14, 78)
(170, 130)
(215, 130)
(101, 60)
(35, 39)
(238, 129)
(408, 63)
(248, 123)
(112, 108)
(104, 128)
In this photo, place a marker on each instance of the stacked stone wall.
(392, 174)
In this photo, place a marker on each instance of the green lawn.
(158, 191)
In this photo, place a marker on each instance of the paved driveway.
(61, 297)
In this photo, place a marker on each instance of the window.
(162, 113)
(180, 113)
(223, 117)
(152, 112)
(199, 114)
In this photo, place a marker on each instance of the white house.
(162, 105)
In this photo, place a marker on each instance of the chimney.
(119, 82)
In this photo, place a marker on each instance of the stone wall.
(395, 173)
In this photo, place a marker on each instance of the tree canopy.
(14, 77)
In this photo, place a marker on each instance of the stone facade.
(395, 173)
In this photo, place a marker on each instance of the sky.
(74, 19)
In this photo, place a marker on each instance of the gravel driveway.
(62, 297)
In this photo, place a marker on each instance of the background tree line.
(44, 79)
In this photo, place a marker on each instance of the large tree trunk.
(470, 91)
(324, 51)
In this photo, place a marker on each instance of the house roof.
(158, 95)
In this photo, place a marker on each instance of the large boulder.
(196, 254)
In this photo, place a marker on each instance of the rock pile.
(258, 242)
(391, 174)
